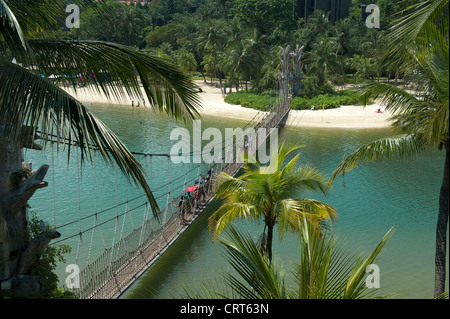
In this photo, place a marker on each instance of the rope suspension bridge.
(134, 250)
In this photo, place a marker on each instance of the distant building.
(338, 9)
(134, 2)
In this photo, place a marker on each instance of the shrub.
(327, 101)
(261, 101)
(250, 99)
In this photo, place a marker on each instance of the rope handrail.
(109, 273)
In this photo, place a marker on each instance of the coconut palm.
(244, 58)
(327, 269)
(323, 59)
(418, 43)
(29, 102)
(213, 38)
(274, 198)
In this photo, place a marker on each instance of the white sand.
(212, 101)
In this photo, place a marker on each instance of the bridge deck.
(113, 272)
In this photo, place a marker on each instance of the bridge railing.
(118, 266)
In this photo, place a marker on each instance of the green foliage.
(239, 40)
(164, 34)
(327, 101)
(20, 176)
(311, 87)
(251, 99)
(328, 269)
(262, 101)
(265, 15)
(47, 261)
(276, 197)
(121, 24)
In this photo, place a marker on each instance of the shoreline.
(213, 104)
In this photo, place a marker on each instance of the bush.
(261, 101)
(250, 99)
(312, 88)
(327, 101)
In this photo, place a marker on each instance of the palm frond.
(355, 285)
(290, 211)
(11, 33)
(119, 71)
(386, 148)
(311, 274)
(31, 100)
(419, 24)
(36, 16)
(227, 213)
(263, 278)
(397, 100)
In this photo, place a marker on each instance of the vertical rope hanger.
(95, 217)
(79, 208)
(114, 239)
(53, 182)
(167, 203)
(183, 204)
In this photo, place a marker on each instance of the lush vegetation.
(237, 44)
(31, 44)
(327, 101)
(262, 101)
(418, 44)
(238, 41)
(327, 269)
(275, 195)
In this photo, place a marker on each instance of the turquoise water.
(370, 200)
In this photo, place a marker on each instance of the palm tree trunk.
(441, 231)
(18, 252)
(269, 241)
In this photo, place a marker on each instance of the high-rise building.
(338, 9)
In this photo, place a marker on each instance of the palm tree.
(327, 269)
(213, 38)
(275, 198)
(364, 66)
(322, 60)
(130, 21)
(29, 102)
(418, 43)
(244, 58)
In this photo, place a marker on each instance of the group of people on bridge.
(194, 195)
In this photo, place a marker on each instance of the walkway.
(119, 266)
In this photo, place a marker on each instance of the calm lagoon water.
(370, 200)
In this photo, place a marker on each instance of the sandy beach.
(212, 101)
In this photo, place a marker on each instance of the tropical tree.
(418, 42)
(130, 20)
(30, 102)
(323, 59)
(189, 39)
(264, 15)
(244, 58)
(213, 38)
(364, 66)
(327, 269)
(185, 60)
(275, 198)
